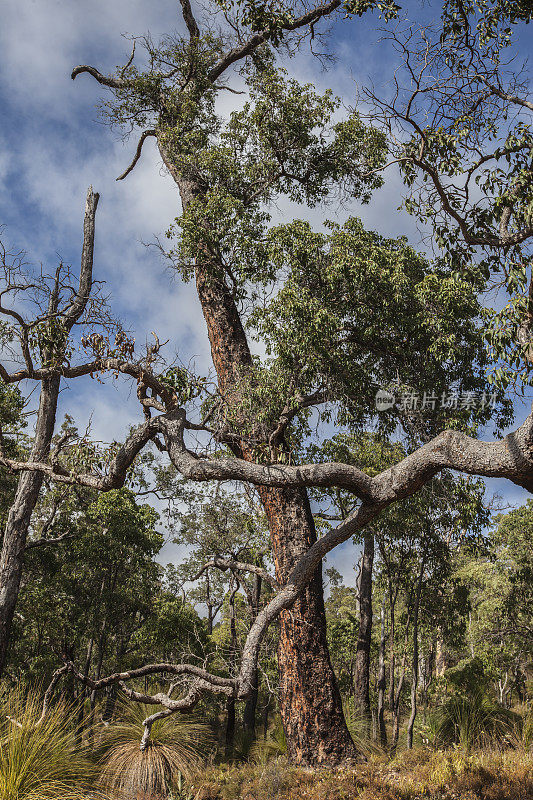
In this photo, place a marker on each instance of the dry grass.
(414, 775)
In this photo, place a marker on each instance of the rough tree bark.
(310, 701)
(18, 520)
(362, 656)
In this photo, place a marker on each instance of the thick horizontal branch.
(510, 457)
(239, 566)
(215, 681)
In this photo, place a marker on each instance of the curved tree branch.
(510, 457)
(228, 563)
(113, 83)
(240, 52)
(143, 138)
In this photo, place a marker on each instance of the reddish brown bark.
(310, 701)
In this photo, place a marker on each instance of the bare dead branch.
(143, 138)
(113, 83)
(227, 563)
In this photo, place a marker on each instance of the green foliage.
(186, 386)
(284, 141)
(353, 297)
(50, 340)
(471, 721)
(467, 163)
(467, 677)
(492, 18)
(272, 747)
(12, 426)
(499, 580)
(100, 584)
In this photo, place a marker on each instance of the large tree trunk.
(362, 656)
(18, 520)
(310, 702)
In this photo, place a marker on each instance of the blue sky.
(52, 146)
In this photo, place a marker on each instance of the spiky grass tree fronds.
(360, 728)
(41, 762)
(273, 746)
(176, 747)
(471, 721)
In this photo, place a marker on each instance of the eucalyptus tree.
(498, 580)
(343, 313)
(458, 124)
(39, 313)
(89, 585)
(224, 178)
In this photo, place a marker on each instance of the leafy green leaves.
(362, 312)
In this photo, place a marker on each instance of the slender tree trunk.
(230, 702)
(83, 691)
(364, 639)
(414, 670)
(310, 701)
(266, 712)
(392, 656)
(29, 483)
(250, 707)
(396, 711)
(440, 657)
(18, 520)
(112, 693)
(382, 681)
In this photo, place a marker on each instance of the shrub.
(41, 761)
(469, 721)
(263, 751)
(360, 728)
